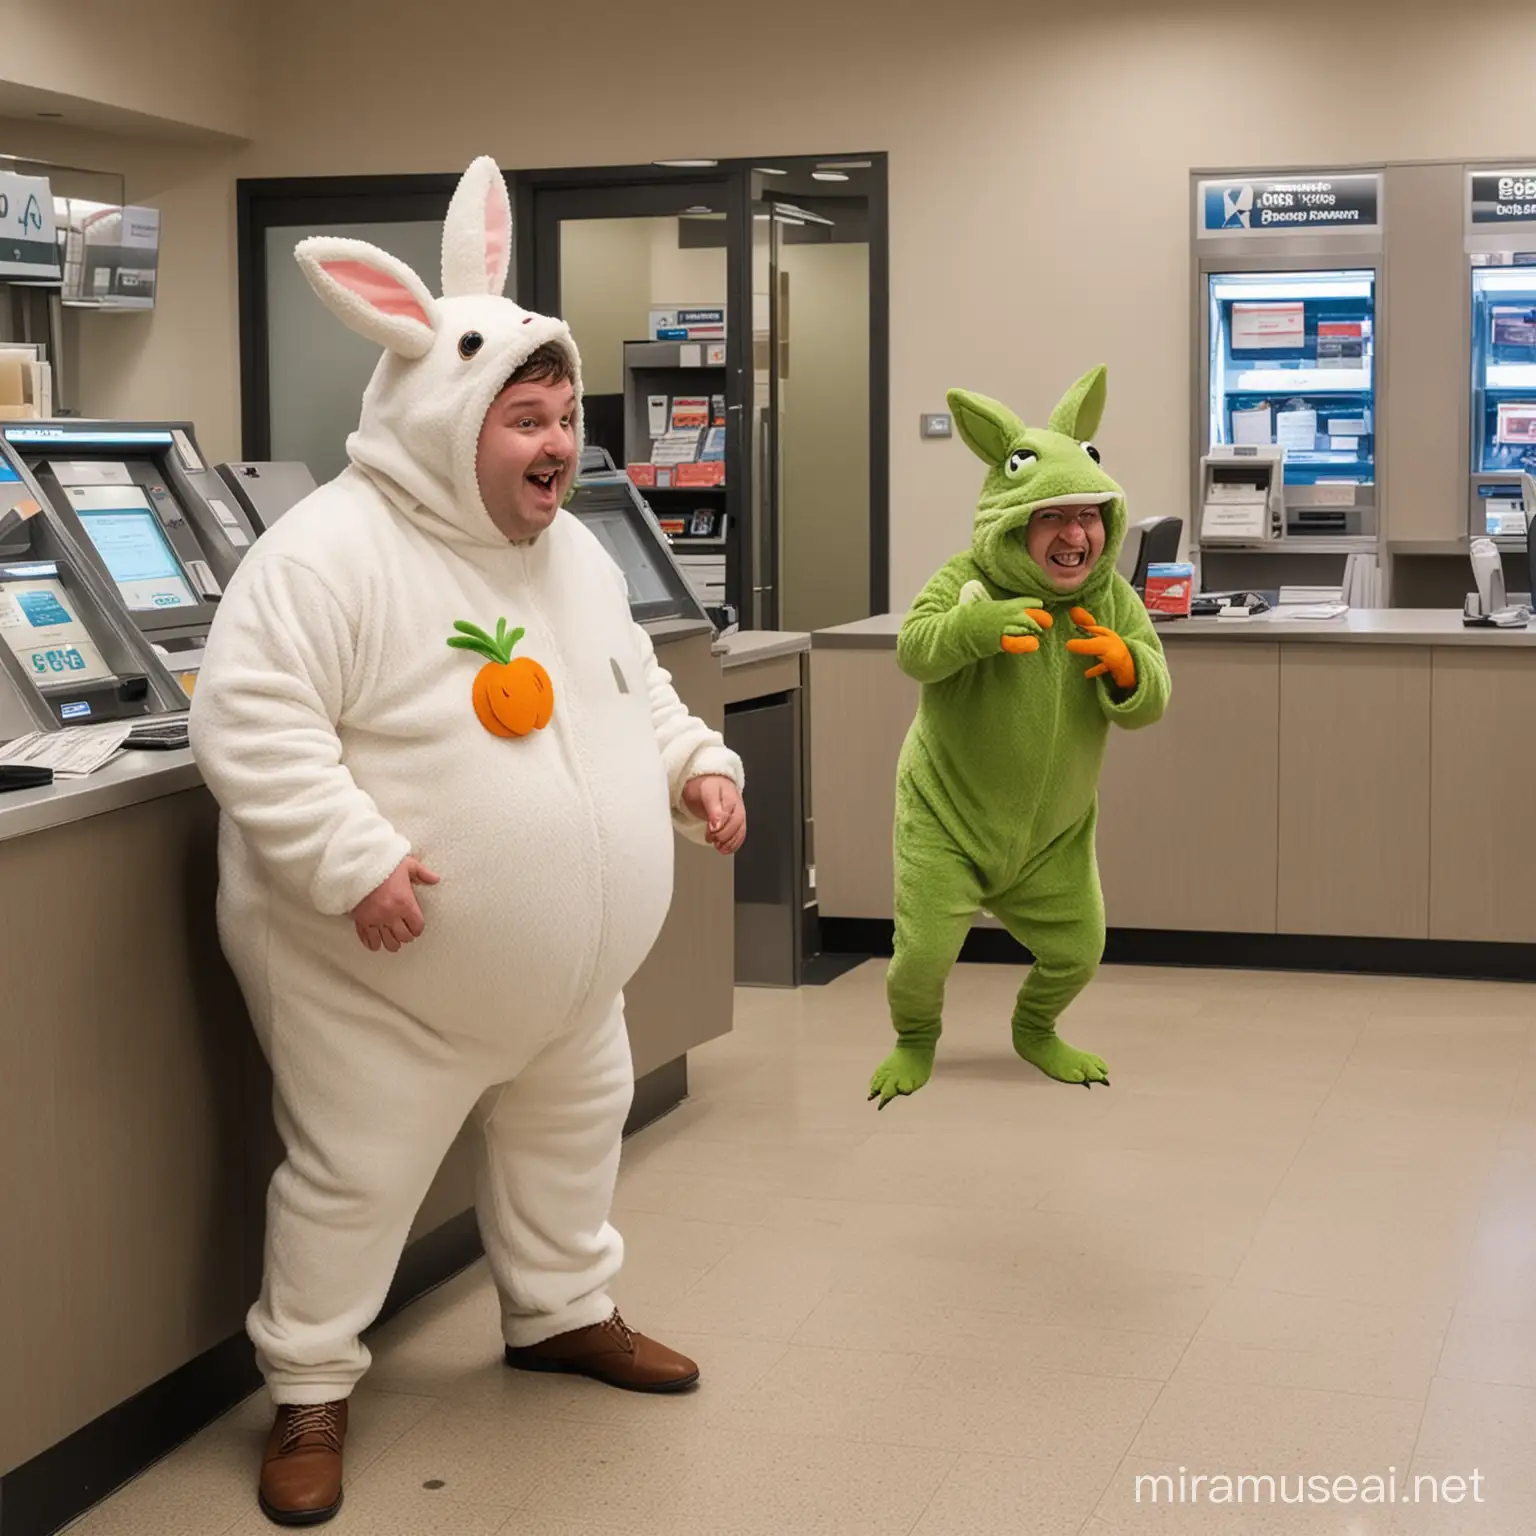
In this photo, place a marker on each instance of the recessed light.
(770, 170)
(687, 165)
(697, 209)
(828, 176)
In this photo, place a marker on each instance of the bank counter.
(1351, 792)
(136, 1131)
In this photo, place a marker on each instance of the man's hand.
(715, 800)
(1114, 655)
(390, 917)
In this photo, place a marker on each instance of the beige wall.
(1038, 173)
(103, 62)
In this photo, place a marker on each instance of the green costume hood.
(1032, 467)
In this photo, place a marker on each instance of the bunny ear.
(372, 292)
(477, 234)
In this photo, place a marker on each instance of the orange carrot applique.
(511, 698)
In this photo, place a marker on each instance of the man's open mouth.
(1070, 559)
(545, 478)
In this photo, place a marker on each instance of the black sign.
(1504, 197)
(1245, 206)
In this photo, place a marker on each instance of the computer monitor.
(124, 531)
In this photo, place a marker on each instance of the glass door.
(641, 272)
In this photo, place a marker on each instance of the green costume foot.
(905, 1070)
(1057, 1059)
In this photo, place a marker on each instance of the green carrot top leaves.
(497, 647)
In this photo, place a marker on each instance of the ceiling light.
(769, 170)
(828, 176)
(697, 208)
(687, 165)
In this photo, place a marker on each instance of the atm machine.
(70, 656)
(1501, 265)
(1287, 317)
(608, 503)
(151, 513)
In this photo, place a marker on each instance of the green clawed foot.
(1057, 1059)
(905, 1070)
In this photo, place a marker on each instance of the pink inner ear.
(496, 222)
(378, 289)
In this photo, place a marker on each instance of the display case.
(610, 506)
(1291, 364)
(1503, 410)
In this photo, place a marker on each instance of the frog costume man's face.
(1046, 489)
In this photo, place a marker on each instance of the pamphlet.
(72, 754)
(679, 446)
(1261, 327)
(714, 444)
(656, 408)
(1513, 326)
(1340, 343)
(1254, 427)
(690, 412)
(1296, 430)
(1170, 587)
(1517, 422)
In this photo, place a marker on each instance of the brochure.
(1259, 327)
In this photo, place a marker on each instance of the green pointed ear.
(1082, 407)
(987, 427)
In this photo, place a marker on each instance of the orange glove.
(1114, 654)
(1022, 645)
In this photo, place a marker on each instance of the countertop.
(751, 645)
(1363, 626)
(128, 780)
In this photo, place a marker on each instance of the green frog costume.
(997, 788)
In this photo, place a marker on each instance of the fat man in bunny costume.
(343, 734)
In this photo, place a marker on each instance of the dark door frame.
(266, 202)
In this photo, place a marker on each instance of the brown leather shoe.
(301, 1470)
(612, 1353)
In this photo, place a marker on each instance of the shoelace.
(621, 1331)
(322, 1419)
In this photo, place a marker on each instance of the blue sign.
(1275, 206)
(74, 711)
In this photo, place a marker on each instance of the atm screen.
(43, 631)
(127, 535)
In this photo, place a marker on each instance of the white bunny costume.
(336, 728)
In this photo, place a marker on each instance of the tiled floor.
(1296, 1239)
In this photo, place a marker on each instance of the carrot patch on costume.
(512, 696)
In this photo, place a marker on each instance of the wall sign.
(29, 248)
(1287, 205)
(1501, 197)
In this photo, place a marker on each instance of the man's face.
(526, 459)
(1066, 542)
